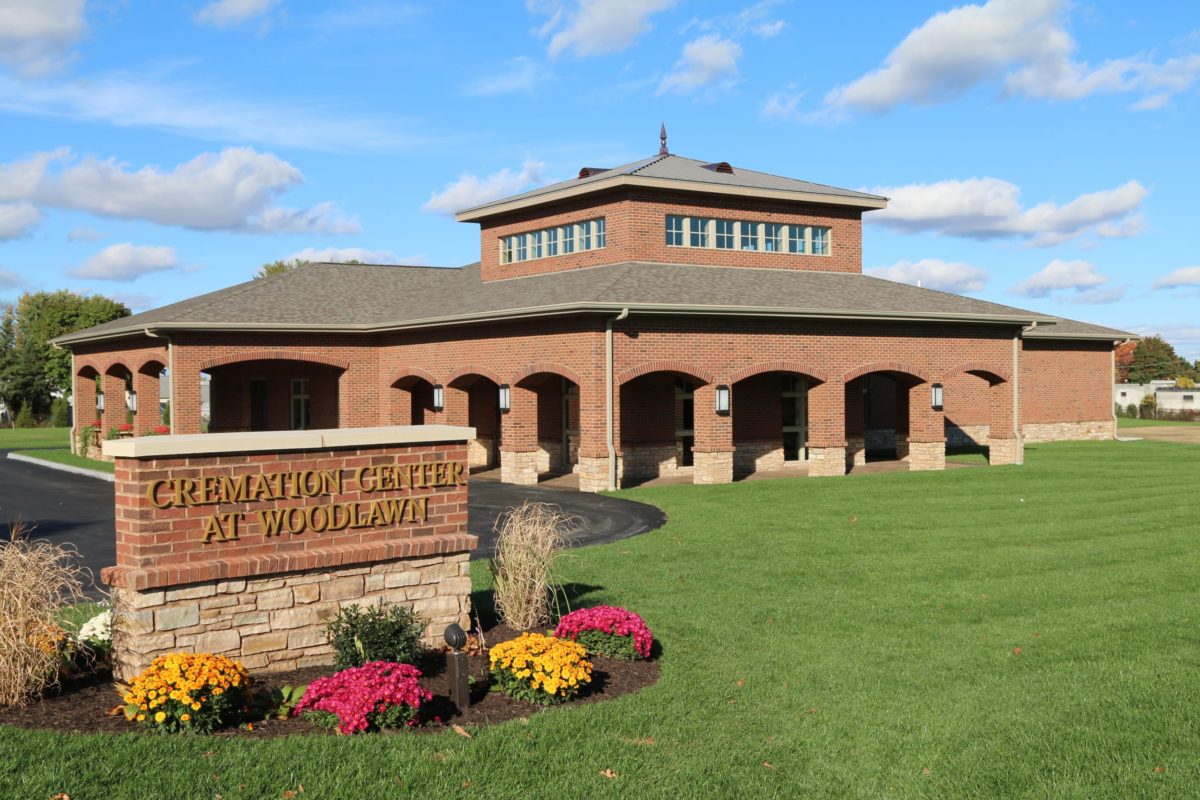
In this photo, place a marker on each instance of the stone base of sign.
(926, 456)
(826, 461)
(277, 623)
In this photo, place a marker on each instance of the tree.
(1184, 382)
(1154, 359)
(1124, 356)
(30, 367)
(280, 267)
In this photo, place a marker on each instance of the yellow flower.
(185, 717)
(141, 717)
(159, 717)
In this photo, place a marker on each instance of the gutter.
(609, 400)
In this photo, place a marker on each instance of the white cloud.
(1101, 296)
(984, 208)
(1060, 275)
(202, 111)
(706, 60)
(1183, 336)
(10, 279)
(223, 13)
(37, 36)
(470, 190)
(18, 219)
(768, 30)
(1180, 278)
(523, 75)
(1133, 225)
(1023, 44)
(933, 273)
(595, 27)
(84, 235)
(230, 190)
(344, 254)
(125, 262)
(19, 180)
(137, 301)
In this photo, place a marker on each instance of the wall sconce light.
(505, 397)
(723, 400)
(100, 401)
(132, 402)
(439, 397)
(937, 397)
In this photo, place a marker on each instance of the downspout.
(609, 400)
(170, 371)
(1016, 368)
(74, 410)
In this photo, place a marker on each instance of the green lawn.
(831, 637)
(49, 444)
(1127, 422)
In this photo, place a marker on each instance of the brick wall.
(636, 231)
(1065, 381)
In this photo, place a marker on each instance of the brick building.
(665, 316)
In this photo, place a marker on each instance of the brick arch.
(554, 369)
(82, 366)
(885, 366)
(111, 369)
(664, 366)
(413, 372)
(149, 364)
(474, 369)
(273, 355)
(985, 371)
(777, 366)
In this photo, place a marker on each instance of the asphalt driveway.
(76, 510)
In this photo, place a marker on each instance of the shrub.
(540, 668)
(166, 414)
(36, 580)
(25, 418)
(527, 543)
(1131, 411)
(196, 692)
(88, 437)
(60, 413)
(375, 633)
(97, 631)
(377, 695)
(607, 631)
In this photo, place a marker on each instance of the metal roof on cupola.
(669, 171)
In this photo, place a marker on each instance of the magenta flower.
(611, 620)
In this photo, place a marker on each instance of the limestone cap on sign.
(274, 441)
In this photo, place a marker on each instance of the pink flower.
(607, 619)
(357, 694)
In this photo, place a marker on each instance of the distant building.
(1166, 396)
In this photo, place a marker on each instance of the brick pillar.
(902, 424)
(399, 406)
(926, 431)
(84, 409)
(593, 448)
(827, 429)
(147, 417)
(518, 437)
(1004, 447)
(455, 410)
(856, 417)
(713, 452)
(185, 396)
(114, 401)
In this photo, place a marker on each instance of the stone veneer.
(1060, 431)
(264, 597)
(924, 456)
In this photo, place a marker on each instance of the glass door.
(795, 418)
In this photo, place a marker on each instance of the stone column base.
(1005, 451)
(519, 468)
(713, 467)
(826, 461)
(593, 474)
(856, 451)
(924, 456)
(902, 448)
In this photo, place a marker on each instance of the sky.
(1037, 153)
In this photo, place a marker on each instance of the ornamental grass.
(189, 692)
(540, 668)
(36, 580)
(377, 695)
(528, 539)
(607, 631)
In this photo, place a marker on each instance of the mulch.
(85, 704)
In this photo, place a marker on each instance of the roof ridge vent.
(720, 166)
(587, 172)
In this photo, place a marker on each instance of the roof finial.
(662, 137)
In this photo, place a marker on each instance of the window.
(1122, 394)
(535, 244)
(506, 253)
(674, 231)
(521, 251)
(725, 238)
(749, 235)
(585, 235)
(549, 242)
(772, 237)
(699, 232)
(552, 242)
(301, 408)
(600, 232)
(796, 239)
(568, 239)
(1187, 398)
(820, 241)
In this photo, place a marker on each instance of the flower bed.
(540, 668)
(377, 695)
(607, 630)
(189, 692)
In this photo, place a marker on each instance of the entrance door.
(685, 434)
(795, 418)
(258, 405)
(570, 398)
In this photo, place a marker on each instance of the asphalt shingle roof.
(362, 297)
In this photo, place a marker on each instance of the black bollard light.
(456, 666)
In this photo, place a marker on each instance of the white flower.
(98, 629)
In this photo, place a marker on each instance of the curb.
(84, 471)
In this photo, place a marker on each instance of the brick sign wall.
(246, 544)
